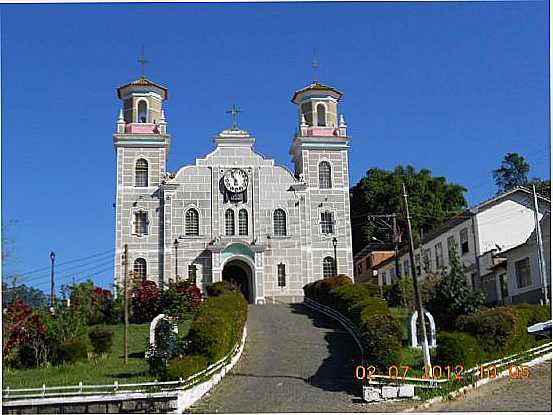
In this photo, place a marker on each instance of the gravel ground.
(295, 360)
(531, 395)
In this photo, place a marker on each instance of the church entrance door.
(239, 274)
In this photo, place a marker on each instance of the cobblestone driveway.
(506, 395)
(295, 360)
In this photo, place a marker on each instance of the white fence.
(118, 388)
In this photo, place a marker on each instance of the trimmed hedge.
(503, 330)
(455, 348)
(219, 288)
(186, 366)
(216, 328)
(381, 333)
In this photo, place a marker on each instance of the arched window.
(321, 115)
(307, 111)
(142, 111)
(279, 222)
(192, 223)
(141, 173)
(325, 175)
(229, 222)
(140, 223)
(328, 267)
(139, 267)
(243, 222)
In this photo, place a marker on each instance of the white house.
(501, 223)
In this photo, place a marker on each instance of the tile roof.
(316, 86)
(143, 82)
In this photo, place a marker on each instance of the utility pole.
(539, 243)
(52, 292)
(176, 245)
(395, 237)
(425, 349)
(126, 303)
(475, 284)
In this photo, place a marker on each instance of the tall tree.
(543, 187)
(512, 172)
(431, 200)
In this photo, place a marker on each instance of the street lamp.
(176, 245)
(52, 297)
(334, 243)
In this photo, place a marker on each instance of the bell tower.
(141, 145)
(320, 155)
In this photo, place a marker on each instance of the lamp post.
(176, 245)
(334, 243)
(52, 295)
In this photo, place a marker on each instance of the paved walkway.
(533, 394)
(295, 360)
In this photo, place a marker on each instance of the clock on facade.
(235, 180)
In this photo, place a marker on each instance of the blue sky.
(447, 86)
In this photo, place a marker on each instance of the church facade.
(233, 215)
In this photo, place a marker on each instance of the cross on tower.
(234, 111)
(142, 61)
(315, 65)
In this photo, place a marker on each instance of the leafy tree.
(453, 297)
(95, 303)
(146, 302)
(431, 201)
(31, 296)
(513, 172)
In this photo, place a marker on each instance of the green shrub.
(533, 313)
(381, 337)
(101, 339)
(186, 366)
(71, 351)
(454, 348)
(361, 311)
(342, 298)
(319, 290)
(217, 326)
(502, 330)
(219, 288)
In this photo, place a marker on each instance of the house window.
(503, 286)
(192, 223)
(321, 115)
(229, 222)
(281, 275)
(141, 173)
(367, 263)
(327, 222)
(142, 111)
(192, 273)
(406, 272)
(359, 269)
(139, 268)
(325, 175)
(451, 247)
(328, 267)
(426, 261)
(140, 223)
(439, 252)
(522, 271)
(279, 222)
(243, 222)
(464, 238)
(418, 264)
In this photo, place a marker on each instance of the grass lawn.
(95, 371)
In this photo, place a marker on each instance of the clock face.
(235, 180)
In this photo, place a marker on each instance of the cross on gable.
(234, 111)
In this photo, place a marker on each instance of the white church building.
(233, 215)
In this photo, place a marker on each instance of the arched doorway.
(239, 273)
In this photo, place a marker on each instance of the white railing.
(115, 388)
(498, 364)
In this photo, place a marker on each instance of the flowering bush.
(146, 301)
(180, 298)
(97, 304)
